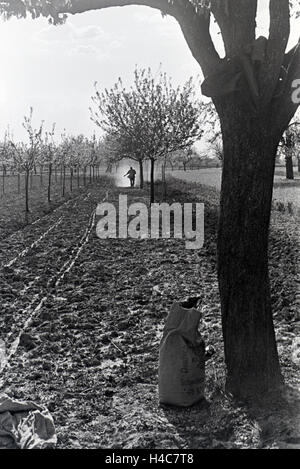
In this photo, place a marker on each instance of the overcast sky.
(53, 69)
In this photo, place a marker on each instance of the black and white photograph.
(149, 227)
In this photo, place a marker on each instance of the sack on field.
(181, 358)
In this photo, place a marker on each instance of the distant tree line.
(77, 157)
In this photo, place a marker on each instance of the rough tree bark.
(246, 196)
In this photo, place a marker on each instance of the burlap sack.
(181, 358)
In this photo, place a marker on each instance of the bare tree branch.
(79, 6)
(237, 21)
(196, 31)
(278, 38)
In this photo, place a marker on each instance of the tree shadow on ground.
(223, 423)
(278, 418)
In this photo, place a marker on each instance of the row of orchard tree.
(152, 120)
(155, 121)
(71, 157)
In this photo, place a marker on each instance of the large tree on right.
(253, 90)
(255, 106)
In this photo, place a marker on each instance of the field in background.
(285, 191)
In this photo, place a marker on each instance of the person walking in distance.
(131, 175)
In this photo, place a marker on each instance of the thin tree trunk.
(246, 195)
(19, 182)
(141, 174)
(163, 168)
(289, 167)
(84, 176)
(41, 174)
(78, 177)
(27, 191)
(71, 179)
(49, 182)
(298, 159)
(64, 181)
(152, 195)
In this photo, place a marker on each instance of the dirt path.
(83, 318)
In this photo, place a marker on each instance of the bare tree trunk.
(64, 181)
(84, 176)
(141, 174)
(152, 166)
(289, 166)
(71, 179)
(163, 168)
(49, 182)
(27, 172)
(41, 174)
(246, 195)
